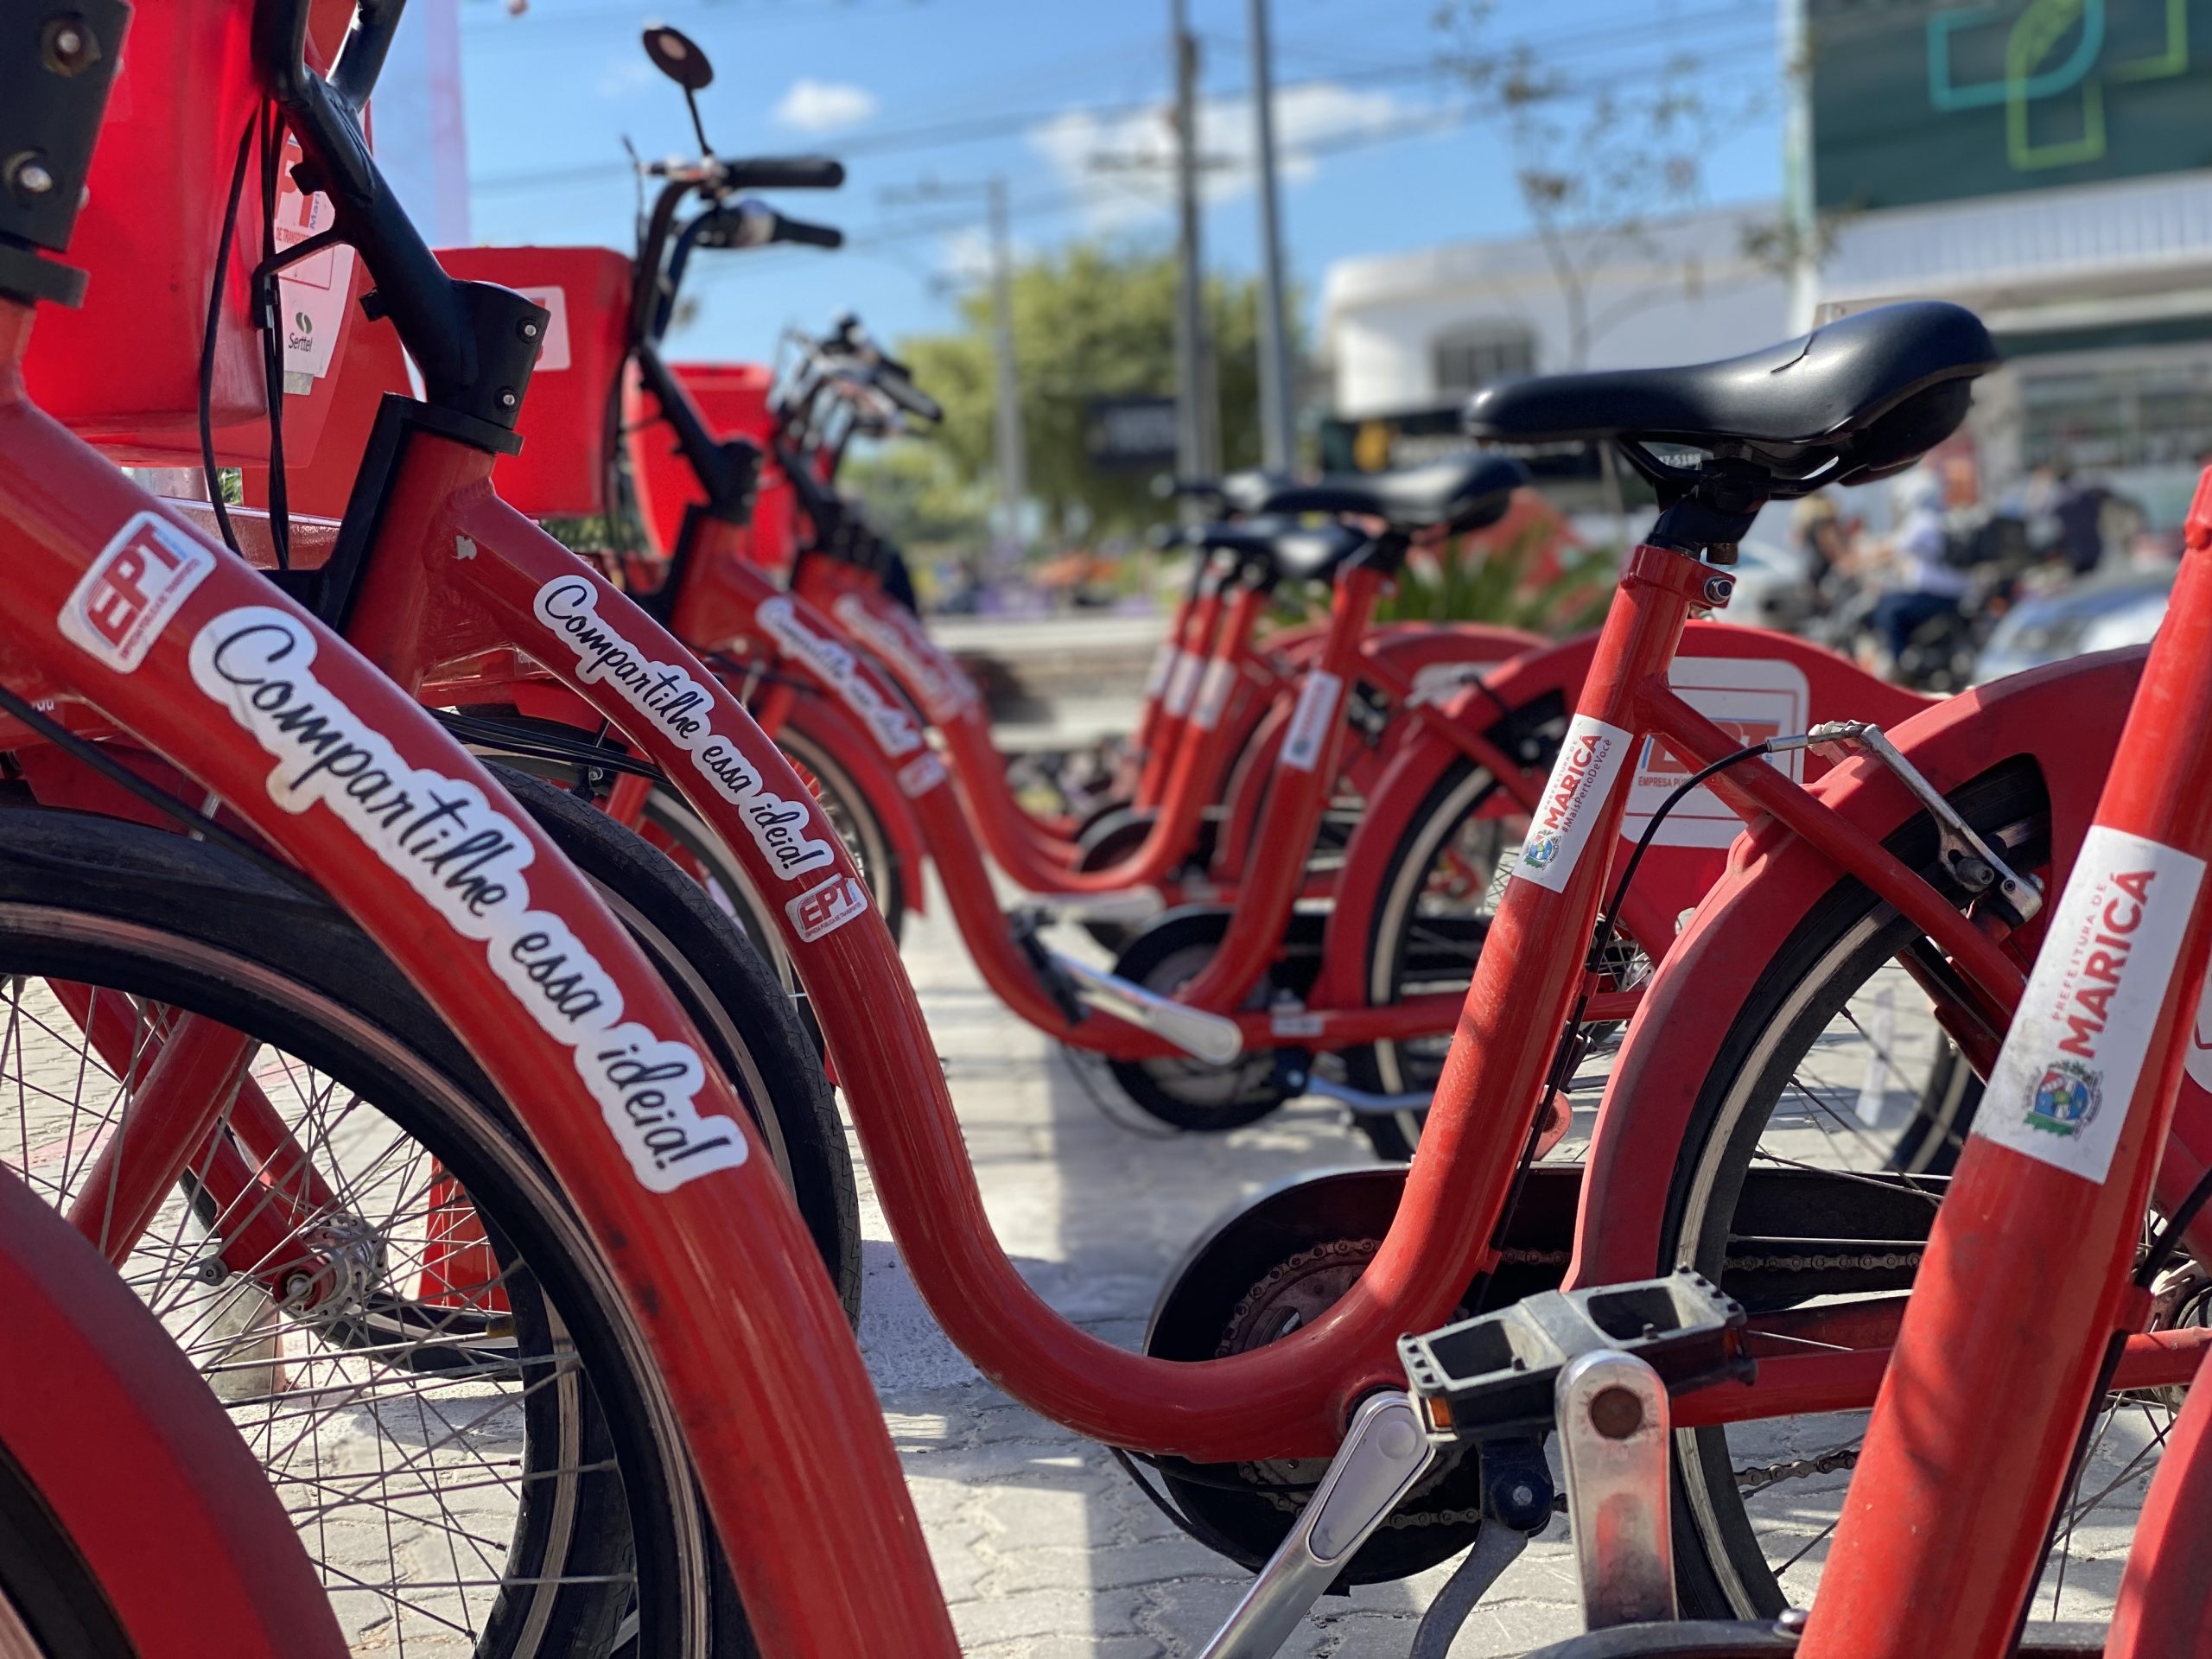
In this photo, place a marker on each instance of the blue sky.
(1383, 153)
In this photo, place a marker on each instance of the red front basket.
(122, 371)
(733, 400)
(564, 427)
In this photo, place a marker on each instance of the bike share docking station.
(1599, 1366)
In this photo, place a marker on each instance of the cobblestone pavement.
(1045, 1548)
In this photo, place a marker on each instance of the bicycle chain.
(1773, 1474)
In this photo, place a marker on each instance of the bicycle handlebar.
(718, 176)
(788, 229)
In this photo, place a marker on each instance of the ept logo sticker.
(826, 908)
(1590, 758)
(135, 585)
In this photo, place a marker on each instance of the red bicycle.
(1816, 1234)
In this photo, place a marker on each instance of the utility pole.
(1013, 455)
(1278, 429)
(1199, 447)
(1014, 462)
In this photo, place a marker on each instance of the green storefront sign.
(1914, 101)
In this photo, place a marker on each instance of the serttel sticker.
(1309, 722)
(1752, 699)
(1213, 693)
(2065, 1078)
(826, 908)
(1440, 683)
(553, 355)
(1590, 757)
(120, 606)
(1182, 683)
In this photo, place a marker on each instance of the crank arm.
(1614, 1449)
(1208, 1037)
(1359, 1101)
(1385, 1452)
(1126, 904)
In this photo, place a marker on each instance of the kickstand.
(1497, 1547)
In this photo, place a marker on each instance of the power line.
(979, 128)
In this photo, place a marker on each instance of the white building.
(1415, 332)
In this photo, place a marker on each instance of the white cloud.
(1126, 163)
(625, 76)
(814, 105)
(965, 255)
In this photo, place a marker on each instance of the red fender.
(1821, 686)
(2067, 717)
(815, 716)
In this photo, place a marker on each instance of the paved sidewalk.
(1045, 1549)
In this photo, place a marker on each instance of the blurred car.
(2108, 610)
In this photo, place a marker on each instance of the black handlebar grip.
(908, 396)
(784, 172)
(814, 236)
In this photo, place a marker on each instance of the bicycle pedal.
(1495, 1376)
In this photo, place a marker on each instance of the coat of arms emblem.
(2065, 1099)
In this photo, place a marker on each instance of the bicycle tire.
(615, 1544)
(1830, 960)
(737, 1004)
(1393, 1068)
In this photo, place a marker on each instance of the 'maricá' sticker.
(467, 860)
(2062, 1083)
(1590, 757)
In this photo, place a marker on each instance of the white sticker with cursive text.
(894, 634)
(683, 709)
(468, 859)
(896, 731)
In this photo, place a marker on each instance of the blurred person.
(2075, 510)
(1920, 582)
(1817, 528)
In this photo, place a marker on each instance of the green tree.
(915, 496)
(1089, 320)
